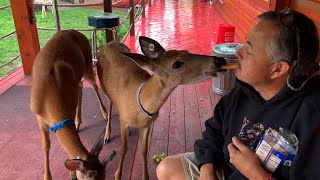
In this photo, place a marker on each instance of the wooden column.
(277, 5)
(27, 33)
(143, 4)
(132, 18)
(107, 7)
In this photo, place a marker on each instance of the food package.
(277, 148)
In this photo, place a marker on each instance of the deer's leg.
(123, 148)
(143, 139)
(45, 146)
(78, 119)
(91, 80)
(108, 127)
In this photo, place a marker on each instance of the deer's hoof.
(106, 141)
(117, 176)
(77, 126)
(73, 177)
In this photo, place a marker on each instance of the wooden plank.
(192, 116)
(115, 144)
(26, 31)
(26, 81)
(158, 144)
(239, 24)
(215, 98)
(204, 101)
(277, 5)
(248, 12)
(261, 5)
(177, 139)
(241, 19)
(307, 7)
(11, 79)
(239, 32)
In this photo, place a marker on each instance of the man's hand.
(246, 161)
(208, 172)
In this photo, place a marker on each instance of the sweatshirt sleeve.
(307, 128)
(209, 149)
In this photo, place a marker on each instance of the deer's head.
(90, 169)
(176, 66)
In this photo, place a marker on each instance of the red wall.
(242, 13)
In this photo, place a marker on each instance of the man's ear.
(280, 68)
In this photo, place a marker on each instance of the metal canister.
(222, 85)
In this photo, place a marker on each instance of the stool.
(102, 21)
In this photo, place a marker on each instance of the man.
(278, 85)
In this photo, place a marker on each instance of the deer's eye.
(177, 64)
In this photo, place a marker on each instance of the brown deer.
(137, 95)
(56, 96)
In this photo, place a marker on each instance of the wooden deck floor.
(191, 25)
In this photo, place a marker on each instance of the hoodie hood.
(283, 98)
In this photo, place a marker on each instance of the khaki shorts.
(190, 167)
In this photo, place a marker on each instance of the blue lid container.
(103, 20)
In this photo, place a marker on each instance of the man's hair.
(297, 42)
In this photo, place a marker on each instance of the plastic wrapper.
(277, 148)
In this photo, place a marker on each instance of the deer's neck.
(70, 141)
(154, 94)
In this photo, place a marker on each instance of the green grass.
(8, 47)
(75, 18)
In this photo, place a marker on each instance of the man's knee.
(170, 167)
(163, 168)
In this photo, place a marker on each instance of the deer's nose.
(219, 62)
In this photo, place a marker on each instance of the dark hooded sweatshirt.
(244, 114)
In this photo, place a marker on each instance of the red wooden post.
(277, 5)
(131, 3)
(107, 7)
(143, 4)
(27, 33)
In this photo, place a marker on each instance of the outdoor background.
(70, 18)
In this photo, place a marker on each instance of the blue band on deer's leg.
(61, 124)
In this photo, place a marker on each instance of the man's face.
(255, 66)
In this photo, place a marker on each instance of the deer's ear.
(74, 164)
(150, 47)
(141, 60)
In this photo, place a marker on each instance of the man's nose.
(239, 51)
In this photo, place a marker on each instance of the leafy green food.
(159, 157)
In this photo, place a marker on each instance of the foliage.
(159, 157)
(9, 46)
(70, 18)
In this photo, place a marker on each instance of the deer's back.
(57, 71)
(119, 75)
